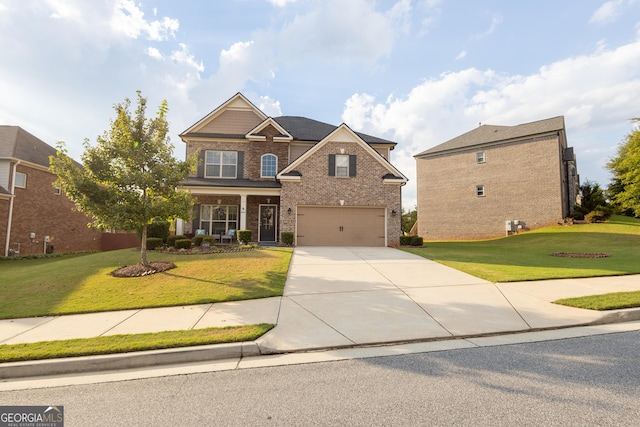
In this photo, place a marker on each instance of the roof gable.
(254, 134)
(486, 134)
(343, 133)
(244, 114)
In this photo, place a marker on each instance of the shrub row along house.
(326, 184)
(496, 180)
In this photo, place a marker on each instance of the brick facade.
(37, 209)
(523, 180)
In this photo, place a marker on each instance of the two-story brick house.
(35, 217)
(327, 184)
(496, 180)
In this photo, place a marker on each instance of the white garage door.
(340, 226)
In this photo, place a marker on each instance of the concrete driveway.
(345, 296)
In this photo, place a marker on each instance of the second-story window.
(221, 164)
(480, 158)
(269, 166)
(342, 165)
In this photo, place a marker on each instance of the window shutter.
(240, 167)
(332, 165)
(200, 169)
(352, 165)
(196, 218)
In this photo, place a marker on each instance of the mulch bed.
(580, 255)
(138, 270)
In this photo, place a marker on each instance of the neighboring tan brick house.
(496, 180)
(329, 185)
(30, 207)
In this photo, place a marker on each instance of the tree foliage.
(625, 168)
(130, 177)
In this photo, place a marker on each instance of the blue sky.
(418, 72)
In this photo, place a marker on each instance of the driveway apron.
(340, 296)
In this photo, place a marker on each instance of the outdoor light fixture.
(289, 211)
(393, 212)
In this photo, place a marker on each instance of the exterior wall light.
(289, 211)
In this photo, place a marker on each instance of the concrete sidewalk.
(343, 297)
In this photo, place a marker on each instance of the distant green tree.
(408, 219)
(592, 196)
(625, 168)
(130, 177)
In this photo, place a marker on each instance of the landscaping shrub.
(286, 237)
(416, 241)
(405, 240)
(244, 236)
(209, 239)
(596, 216)
(154, 243)
(171, 240)
(197, 241)
(183, 244)
(158, 228)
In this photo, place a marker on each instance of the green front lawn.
(527, 256)
(612, 301)
(82, 284)
(126, 343)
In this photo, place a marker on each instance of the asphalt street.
(577, 381)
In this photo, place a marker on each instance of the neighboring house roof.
(16, 143)
(487, 134)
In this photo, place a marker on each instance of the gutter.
(10, 218)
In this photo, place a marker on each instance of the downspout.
(10, 218)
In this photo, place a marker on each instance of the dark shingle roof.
(17, 143)
(208, 182)
(487, 134)
(304, 129)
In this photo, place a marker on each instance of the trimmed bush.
(416, 241)
(286, 237)
(183, 244)
(171, 240)
(405, 240)
(209, 239)
(158, 228)
(244, 236)
(154, 243)
(197, 241)
(596, 216)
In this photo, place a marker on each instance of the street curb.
(139, 359)
(618, 316)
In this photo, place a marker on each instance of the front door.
(267, 223)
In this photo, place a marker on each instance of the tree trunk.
(143, 246)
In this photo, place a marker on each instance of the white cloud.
(495, 21)
(461, 55)
(64, 10)
(590, 91)
(183, 56)
(154, 53)
(129, 20)
(607, 13)
(281, 3)
(270, 106)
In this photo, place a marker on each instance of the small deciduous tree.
(130, 177)
(625, 168)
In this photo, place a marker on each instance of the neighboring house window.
(218, 219)
(269, 166)
(21, 180)
(480, 190)
(57, 191)
(221, 164)
(480, 157)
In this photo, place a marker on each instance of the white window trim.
(262, 175)
(221, 164)
(344, 156)
(483, 159)
(480, 192)
(24, 185)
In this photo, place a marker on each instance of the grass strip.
(612, 301)
(128, 343)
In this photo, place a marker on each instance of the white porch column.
(179, 227)
(243, 211)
